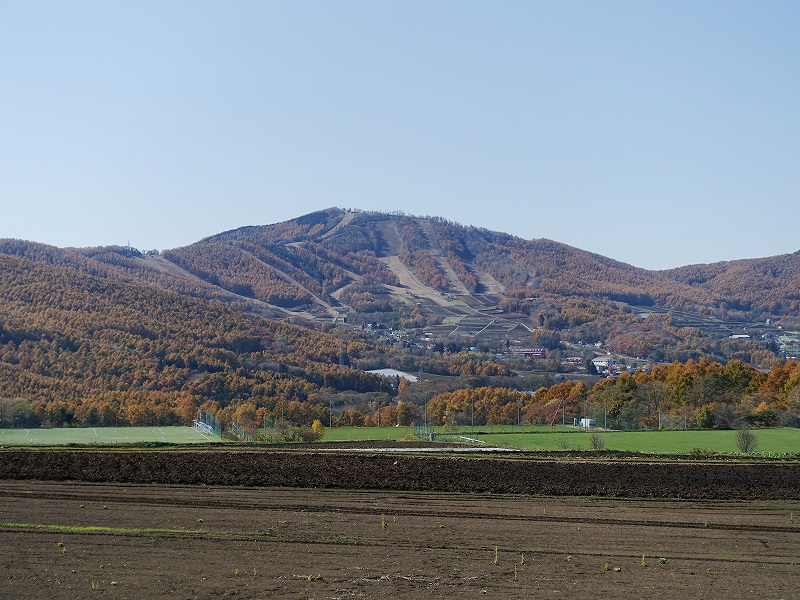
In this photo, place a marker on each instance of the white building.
(604, 362)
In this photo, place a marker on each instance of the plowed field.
(229, 524)
(156, 541)
(351, 470)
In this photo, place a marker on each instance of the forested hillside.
(330, 249)
(102, 335)
(762, 285)
(91, 349)
(88, 349)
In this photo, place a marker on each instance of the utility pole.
(586, 414)
(473, 416)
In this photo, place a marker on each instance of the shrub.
(701, 452)
(596, 442)
(745, 439)
(705, 418)
(318, 429)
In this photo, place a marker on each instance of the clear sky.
(656, 133)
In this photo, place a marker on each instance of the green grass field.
(101, 436)
(345, 434)
(526, 437)
(360, 434)
(778, 441)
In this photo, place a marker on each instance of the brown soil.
(353, 470)
(182, 542)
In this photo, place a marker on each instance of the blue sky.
(656, 133)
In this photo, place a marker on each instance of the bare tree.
(745, 439)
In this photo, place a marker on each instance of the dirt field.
(632, 477)
(277, 524)
(157, 541)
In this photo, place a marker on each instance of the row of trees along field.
(681, 395)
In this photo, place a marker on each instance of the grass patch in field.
(524, 437)
(93, 529)
(102, 436)
(139, 532)
(360, 434)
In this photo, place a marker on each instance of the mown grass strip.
(270, 536)
(140, 532)
(100, 529)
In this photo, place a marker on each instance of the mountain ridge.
(535, 264)
(466, 282)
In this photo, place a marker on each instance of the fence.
(432, 435)
(207, 424)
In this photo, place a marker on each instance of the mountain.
(293, 311)
(316, 259)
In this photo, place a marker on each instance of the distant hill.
(334, 261)
(766, 286)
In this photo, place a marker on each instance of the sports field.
(526, 437)
(770, 441)
(101, 436)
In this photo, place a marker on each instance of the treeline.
(681, 395)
